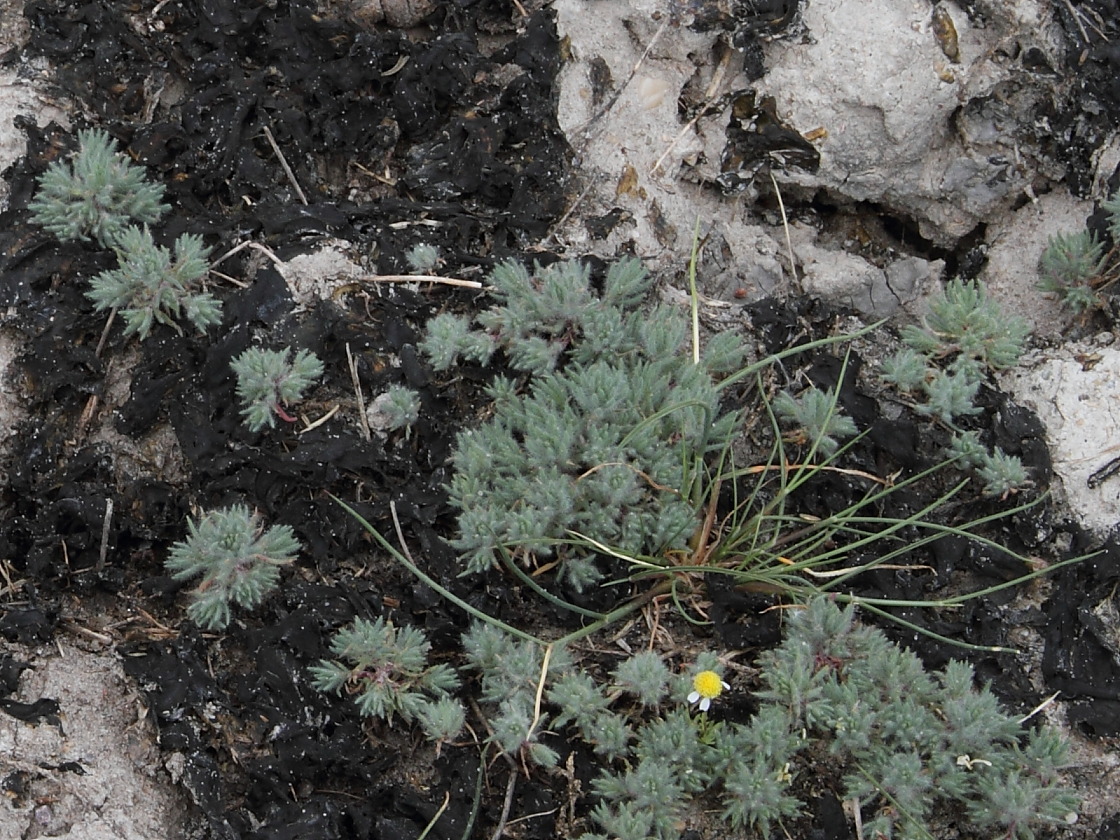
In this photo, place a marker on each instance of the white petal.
(705, 704)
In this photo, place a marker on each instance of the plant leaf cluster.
(599, 441)
(815, 419)
(910, 742)
(964, 337)
(97, 193)
(387, 670)
(1076, 267)
(422, 258)
(149, 286)
(512, 671)
(910, 745)
(397, 408)
(267, 381)
(239, 561)
(968, 329)
(1069, 267)
(601, 433)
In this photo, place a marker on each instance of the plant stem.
(442, 590)
(635, 603)
(527, 579)
(693, 294)
(614, 615)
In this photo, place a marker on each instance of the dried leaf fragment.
(945, 31)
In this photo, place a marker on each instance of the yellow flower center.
(707, 684)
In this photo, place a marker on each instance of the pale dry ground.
(96, 775)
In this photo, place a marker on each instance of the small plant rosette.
(238, 559)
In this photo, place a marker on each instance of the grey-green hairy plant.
(944, 365)
(598, 436)
(511, 672)
(398, 406)
(815, 418)
(950, 394)
(968, 327)
(645, 676)
(98, 193)
(387, 670)
(1077, 269)
(150, 286)
(911, 741)
(1069, 266)
(909, 745)
(422, 258)
(1112, 207)
(267, 382)
(907, 370)
(239, 561)
(966, 449)
(1002, 474)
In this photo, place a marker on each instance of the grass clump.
(610, 450)
(98, 193)
(239, 561)
(599, 433)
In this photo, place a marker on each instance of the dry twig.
(284, 165)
